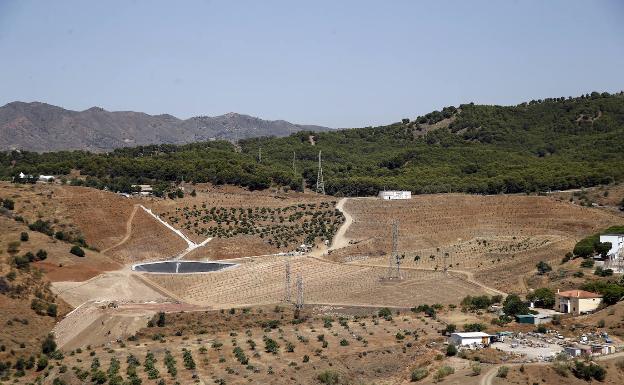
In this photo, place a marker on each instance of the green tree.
(8, 204)
(41, 255)
(544, 297)
(42, 363)
(270, 346)
(513, 306)
(603, 248)
(48, 346)
(77, 251)
(543, 267)
(161, 321)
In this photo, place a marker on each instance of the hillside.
(551, 144)
(43, 127)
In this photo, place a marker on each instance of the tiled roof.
(579, 294)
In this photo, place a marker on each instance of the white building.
(470, 339)
(615, 256)
(143, 189)
(391, 195)
(617, 244)
(46, 178)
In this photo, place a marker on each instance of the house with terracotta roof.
(577, 301)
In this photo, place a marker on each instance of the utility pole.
(320, 184)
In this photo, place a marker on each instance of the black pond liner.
(180, 267)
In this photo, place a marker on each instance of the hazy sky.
(334, 63)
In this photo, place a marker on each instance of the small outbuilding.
(600, 349)
(534, 319)
(577, 350)
(470, 338)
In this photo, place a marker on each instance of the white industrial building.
(392, 195)
(617, 244)
(470, 339)
(615, 256)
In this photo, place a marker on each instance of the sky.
(333, 63)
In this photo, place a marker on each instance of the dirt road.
(340, 240)
(128, 230)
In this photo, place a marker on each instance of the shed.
(599, 349)
(533, 319)
(572, 351)
(470, 338)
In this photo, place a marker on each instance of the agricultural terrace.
(498, 238)
(282, 227)
(263, 345)
(261, 281)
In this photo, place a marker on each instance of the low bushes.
(329, 377)
(442, 372)
(588, 371)
(418, 374)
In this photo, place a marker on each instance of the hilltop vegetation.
(542, 145)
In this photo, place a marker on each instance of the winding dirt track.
(128, 230)
(340, 240)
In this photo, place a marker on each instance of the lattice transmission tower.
(394, 262)
(287, 283)
(299, 287)
(294, 164)
(320, 183)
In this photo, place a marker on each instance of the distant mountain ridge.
(43, 127)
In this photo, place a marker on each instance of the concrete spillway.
(180, 267)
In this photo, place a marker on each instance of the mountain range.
(43, 127)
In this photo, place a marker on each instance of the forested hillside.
(541, 145)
